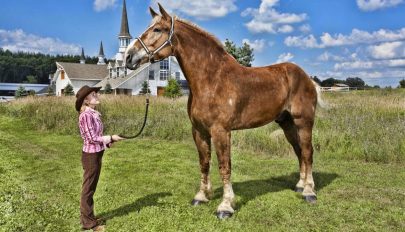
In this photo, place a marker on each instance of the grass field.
(147, 184)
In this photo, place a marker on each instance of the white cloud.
(284, 57)
(301, 41)
(202, 10)
(18, 40)
(267, 19)
(100, 5)
(285, 29)
(371, 5)
(374, 64)
(369, 74)
(388, 50)
(258, 45)
(356, 37)
(326, 56)
(306, 28)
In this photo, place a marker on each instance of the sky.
(327, 38)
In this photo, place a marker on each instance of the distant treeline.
(355, 82)
(15, 67)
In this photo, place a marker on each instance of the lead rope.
(146, 111)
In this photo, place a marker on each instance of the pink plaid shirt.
(91, 130)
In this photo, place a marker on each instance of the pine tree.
(68, 90)
(51, 91)
(244, 55)
(108, 88)
(173, 89)
(145, 88)
(20, 92)
(402, 83)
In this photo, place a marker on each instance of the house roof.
(118, 81)
(83, 71)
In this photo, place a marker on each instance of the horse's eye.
(156, 30)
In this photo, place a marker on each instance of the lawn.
(147, 185)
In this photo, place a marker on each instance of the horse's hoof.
(310, 199)
(195, 202)
(299, 189)
(224, 215)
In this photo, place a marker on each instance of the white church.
(121, 79)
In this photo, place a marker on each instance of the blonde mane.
(200, 30)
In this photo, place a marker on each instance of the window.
(177, 75)
(110, 72)
(118, 72)
(164, 74)
(164, 65)
(62, 75)
(125, 72)
(151, 74)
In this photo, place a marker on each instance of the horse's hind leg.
(203, 143)
(286, 123)
(299, 134)
(305, 139)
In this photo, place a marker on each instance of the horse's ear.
(165, 15)
(153, 12)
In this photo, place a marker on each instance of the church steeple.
(82, 58)
(124, 36)
(124, 23)
(101, 55)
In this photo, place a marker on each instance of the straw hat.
(82, 94)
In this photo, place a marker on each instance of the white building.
(121, 79)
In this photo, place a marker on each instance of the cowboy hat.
(82, 94)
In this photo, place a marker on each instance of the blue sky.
(328, 38)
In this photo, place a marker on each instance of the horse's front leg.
(222, 143)
(203, 142)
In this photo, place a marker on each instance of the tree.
(31, 79)
(68, 90)
(402, 83)
(20, 92)
(355, 82)
(330, 82)
(108, 88)
(244, 55)
(51, 91)
(145, 88)
(230, 47)
(173, 89)
(316, 79)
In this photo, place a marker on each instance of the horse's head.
(154, 44)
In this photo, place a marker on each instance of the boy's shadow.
(249, 190)
(149, 200)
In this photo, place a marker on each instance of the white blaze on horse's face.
(154, 36)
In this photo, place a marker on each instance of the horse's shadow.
(146, 201)
(249, 190)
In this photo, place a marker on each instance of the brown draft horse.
(226, 96)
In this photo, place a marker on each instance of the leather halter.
(151, 54)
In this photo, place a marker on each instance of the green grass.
(364, 126)
(147, 184)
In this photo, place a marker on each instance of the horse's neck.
(200, 56)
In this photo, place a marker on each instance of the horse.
(226, 96)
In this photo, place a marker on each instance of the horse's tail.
(321, 103)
